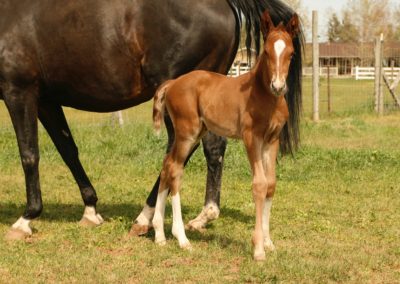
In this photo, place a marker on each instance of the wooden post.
(315, 88)
(329, 87)
(378, 75)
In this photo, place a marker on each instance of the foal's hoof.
(16, 235)
(161, 242)
(139, 230)
(269, 245)
(259, 256)
(186, 246)
(92, 222)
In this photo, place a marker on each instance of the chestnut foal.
(251, 107)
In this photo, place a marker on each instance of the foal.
(251, 107)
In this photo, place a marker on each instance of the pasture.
(335, 216)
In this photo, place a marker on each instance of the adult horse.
(101, 56)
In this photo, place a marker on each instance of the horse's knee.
(30, 160)
(271, 187)
(259, 189)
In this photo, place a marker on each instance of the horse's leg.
(22, 106)
(270, 153)
(53, 119)
(259, 187)
(214, 150)
(143, 222)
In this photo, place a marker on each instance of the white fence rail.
(323, 71)
(238, 70)
(368, 73)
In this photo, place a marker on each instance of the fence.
(368, 73)
(366, 81)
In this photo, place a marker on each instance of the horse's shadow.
(71, 213)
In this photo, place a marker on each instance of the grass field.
(335, 216)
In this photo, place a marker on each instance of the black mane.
(250, 11)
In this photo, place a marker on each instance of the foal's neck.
(261, 74)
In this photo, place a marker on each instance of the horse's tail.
(159, 106)
(251, 10)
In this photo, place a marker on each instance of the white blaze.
(279, 47)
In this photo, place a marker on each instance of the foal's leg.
(22, 106)
(214, 149)
(259, 186)
(171, 179)
(270, 153)
(143, 222)
(53, 119)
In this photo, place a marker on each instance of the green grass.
(335, 216)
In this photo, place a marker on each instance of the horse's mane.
(250, 11)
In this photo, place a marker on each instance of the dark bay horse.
(250, 107)
(107, 55)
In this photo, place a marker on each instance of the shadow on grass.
(52, 212)
(73, 212)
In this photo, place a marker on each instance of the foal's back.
(209, 99)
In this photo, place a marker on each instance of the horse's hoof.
(268, 244)
(186, 246)
(196, 225)
(139, 230)
(88, 223)
(161, 243)
(259, 256)
(16, 235)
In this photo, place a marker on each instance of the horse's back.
(95, 54)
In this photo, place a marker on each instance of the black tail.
(251, 11)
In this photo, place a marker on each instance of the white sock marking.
(145, 216)
(23, 225)
(266, 216)
(158, 219)
(91, 215)
(178, 228)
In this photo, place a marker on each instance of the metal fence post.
(315, 88)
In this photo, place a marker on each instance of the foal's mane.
(250, 11)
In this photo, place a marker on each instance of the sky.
(324, 8)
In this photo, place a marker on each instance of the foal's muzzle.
(278, 88)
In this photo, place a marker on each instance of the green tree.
(334, 28)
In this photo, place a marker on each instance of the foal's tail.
(159, 106)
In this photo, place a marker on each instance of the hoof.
(186, 246)
(195, 226)
(269, 245)
(161, 243)
(139, 230)
(86, 223)
(259, 256)
(209, 213)
(16, 235)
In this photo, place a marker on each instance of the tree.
(334, 28)
(342, 31)
(371, 17)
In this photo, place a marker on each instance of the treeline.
(364, 20)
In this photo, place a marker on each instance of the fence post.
(329, 87)
(378, 75)
(315, 88)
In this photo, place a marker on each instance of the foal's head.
(279, 50)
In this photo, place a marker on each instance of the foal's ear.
(293, 27)
(266, 23)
